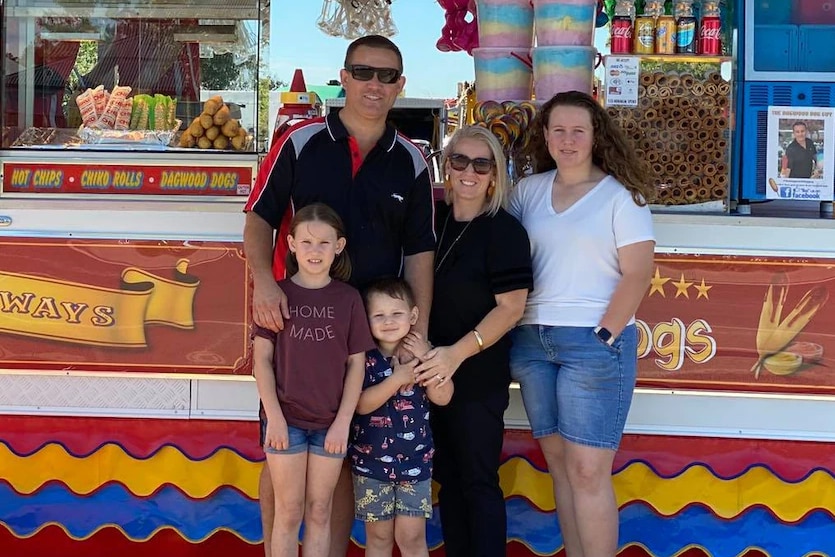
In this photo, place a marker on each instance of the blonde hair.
(501, 182)
(319, 212)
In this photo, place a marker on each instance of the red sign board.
(124, 306)
(137, 179)
(739, 323)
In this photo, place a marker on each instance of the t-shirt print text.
(317, 331)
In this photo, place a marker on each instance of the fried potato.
(221, 116)
(221, 142)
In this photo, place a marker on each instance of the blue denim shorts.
(376, 501)
(301, 440)
(573, 383)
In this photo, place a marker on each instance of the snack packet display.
(144, 119)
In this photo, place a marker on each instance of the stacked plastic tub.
(506, 65)
(503, 69)
(564, 57)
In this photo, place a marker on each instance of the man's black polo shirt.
(385, 201)
(801, 160)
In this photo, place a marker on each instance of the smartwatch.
(605, 335)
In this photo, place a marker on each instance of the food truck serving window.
(177, 77)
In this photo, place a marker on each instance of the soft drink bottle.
(710, 31)
(686, 39)
(622, 27)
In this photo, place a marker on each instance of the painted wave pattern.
(755, 509)
(138, 517)
(197, 479)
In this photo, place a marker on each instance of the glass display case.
(789, 40)
(99, 78)
(679, 116)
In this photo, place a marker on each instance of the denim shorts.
(375, 501)
(573, 383)
(301, 440)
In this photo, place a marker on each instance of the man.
(378, 183)
(801, 157)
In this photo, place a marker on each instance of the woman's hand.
(276, 436)
(416, 344)
(438, 366)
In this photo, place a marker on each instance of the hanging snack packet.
(172, 113)
(100, 97)
(87, 107)
(107, 120)
(142, 107)
(123, 117)
(161, 103)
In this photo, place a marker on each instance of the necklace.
(452, 245)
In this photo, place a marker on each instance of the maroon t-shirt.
(326, 326)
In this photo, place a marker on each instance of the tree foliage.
(88, 56)
(219, 72)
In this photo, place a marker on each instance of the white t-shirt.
(574, 252)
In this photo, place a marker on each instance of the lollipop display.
(508, 121)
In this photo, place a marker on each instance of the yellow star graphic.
(682, 286)
(702, 290)
(657, 284)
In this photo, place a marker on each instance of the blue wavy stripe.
(139, 518)
(227, 509)
(756, 528)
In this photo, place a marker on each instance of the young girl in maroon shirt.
(309, 378)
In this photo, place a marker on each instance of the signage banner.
(136, 179)
(124, 306)
(739, 323)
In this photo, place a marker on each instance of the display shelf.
(681, 126)
(148, 9)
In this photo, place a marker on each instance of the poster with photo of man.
(800, 153)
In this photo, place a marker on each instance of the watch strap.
(605, 335)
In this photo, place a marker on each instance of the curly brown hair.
(612, 152)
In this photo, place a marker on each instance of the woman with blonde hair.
(482, 278)
(575, 351)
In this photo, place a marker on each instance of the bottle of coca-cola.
(622, 26)
(710, 31)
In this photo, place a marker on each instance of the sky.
(297, 42)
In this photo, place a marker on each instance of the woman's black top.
(492, 256)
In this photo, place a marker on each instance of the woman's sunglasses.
(366, 73)
(460, 163)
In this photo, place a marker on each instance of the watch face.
(604, 334)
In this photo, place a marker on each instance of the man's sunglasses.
(460, 163)
(366, 73)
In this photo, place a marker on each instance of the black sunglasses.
(460, 163)
(365, 73)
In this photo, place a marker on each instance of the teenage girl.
(309, 378)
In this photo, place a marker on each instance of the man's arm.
(418, 273)
(269, 303)
(264, 209)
